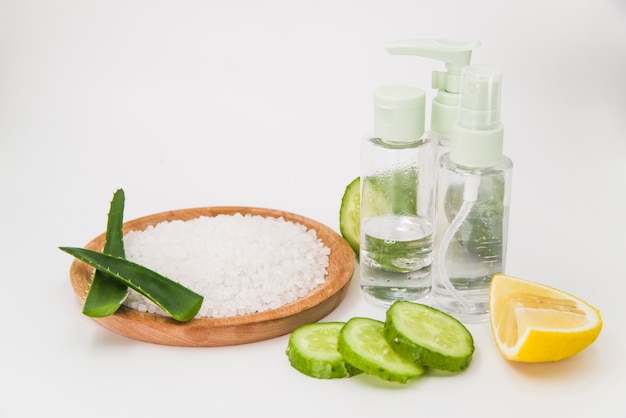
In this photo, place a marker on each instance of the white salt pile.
(241, 264)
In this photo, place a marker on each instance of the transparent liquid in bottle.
(396, 258)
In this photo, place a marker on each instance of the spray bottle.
(455, 55)
(472, 204)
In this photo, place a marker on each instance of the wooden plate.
(208, 332)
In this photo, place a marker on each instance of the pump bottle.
(398, 166)
(455, 55)
(473, 197)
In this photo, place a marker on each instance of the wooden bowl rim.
(339, 274)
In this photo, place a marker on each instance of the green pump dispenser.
(456, 55)
(477, 134)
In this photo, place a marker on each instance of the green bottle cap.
(455, 55)
(399, 113)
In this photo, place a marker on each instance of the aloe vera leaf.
(178, 301)
(106, 294)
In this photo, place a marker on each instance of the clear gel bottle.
(398, 166)
(473, 196)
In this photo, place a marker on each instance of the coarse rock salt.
(241, 264)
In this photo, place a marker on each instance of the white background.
(264, 103)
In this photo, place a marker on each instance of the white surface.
(202, 103)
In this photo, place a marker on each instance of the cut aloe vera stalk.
(106, 294)
(175, 299)
(362, 343)
(312, 350)
(428, 337)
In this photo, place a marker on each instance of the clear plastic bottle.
(473, 197)
(397, 200)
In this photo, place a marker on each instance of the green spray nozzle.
(456, 55)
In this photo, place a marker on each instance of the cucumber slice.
(428, 337)
(350, 214)
(362, 343)
(374, 193)
(312, 350)
(393, 192)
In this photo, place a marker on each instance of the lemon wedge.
(533, 323)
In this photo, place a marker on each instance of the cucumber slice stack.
(413, 339)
